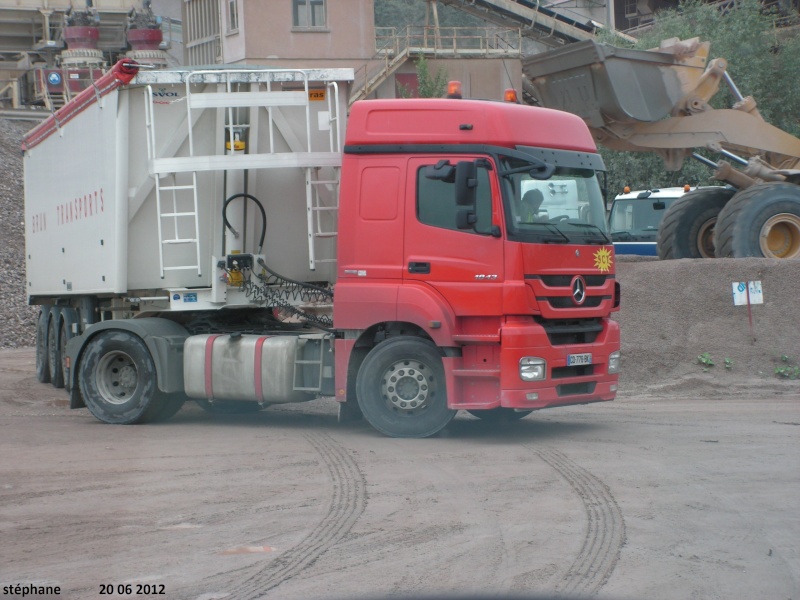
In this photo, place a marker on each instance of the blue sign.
(54, 78)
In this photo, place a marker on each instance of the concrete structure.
(33, 43)
(324, 34)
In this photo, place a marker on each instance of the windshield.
(566, 208)
(640, 217)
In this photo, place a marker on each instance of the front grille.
(576, 371)
(575, 331)
(566, 301)
(566, 280)
(575, 389)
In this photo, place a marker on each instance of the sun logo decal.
(602, 260)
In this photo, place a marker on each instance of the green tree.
(763, 61)
(430, 86)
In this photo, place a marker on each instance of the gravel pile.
(674, 311)
(17, 319)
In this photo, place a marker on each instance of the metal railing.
(448, 41)
(395, 45)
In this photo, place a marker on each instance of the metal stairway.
(537, 23)
(380, 74)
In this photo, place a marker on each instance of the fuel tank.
(243, 367)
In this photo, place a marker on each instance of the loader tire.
(401, 388)
(42, 358)
(118, 380)
(500, 415)
(687, 229)
(761, 221)
(55, 357)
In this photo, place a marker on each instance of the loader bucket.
(605, 85)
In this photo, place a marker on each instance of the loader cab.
(635, 216)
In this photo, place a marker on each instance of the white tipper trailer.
(151, 193)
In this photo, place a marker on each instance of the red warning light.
(510, 95)
(454, 89)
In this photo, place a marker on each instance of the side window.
(233, 16)
(436, 202)
(307, 14)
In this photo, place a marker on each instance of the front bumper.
(487, 376)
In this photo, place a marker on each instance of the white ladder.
(174, 214)
(316, 206)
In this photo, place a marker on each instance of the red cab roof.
(445, 121)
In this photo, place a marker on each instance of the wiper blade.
(605, 239)
(553, 229)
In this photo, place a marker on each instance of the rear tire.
(500, 415)
(118, 380)
(42, 359)
(761, 221)
(55, 359)
(401, 388)
(687, 229)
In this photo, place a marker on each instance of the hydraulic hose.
(260, 207)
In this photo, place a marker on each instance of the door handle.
(419, 267)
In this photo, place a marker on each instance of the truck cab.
(437, 243)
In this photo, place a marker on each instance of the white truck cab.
(634, 218)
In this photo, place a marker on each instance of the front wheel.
(761, 221)
(401, 388)
(500, 415)
(687, 229)
(118, 380)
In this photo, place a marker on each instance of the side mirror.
(441, 171)
(466, 219)
(466, 179)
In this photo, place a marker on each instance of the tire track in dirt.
(347, 503)
(605, 530)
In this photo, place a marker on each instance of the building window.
(308, 14)
(233, 16)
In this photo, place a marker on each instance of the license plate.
(579, 359)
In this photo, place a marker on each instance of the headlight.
(613, 362)
(532, 369)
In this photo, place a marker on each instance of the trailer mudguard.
(164, 340)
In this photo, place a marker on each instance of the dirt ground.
(686, 486)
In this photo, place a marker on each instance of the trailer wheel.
(762, 221)
(118, 379)
(401, 388)
(54, 351)
(42, 361)
(500, 415)
(687, 229)
(229, 407)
